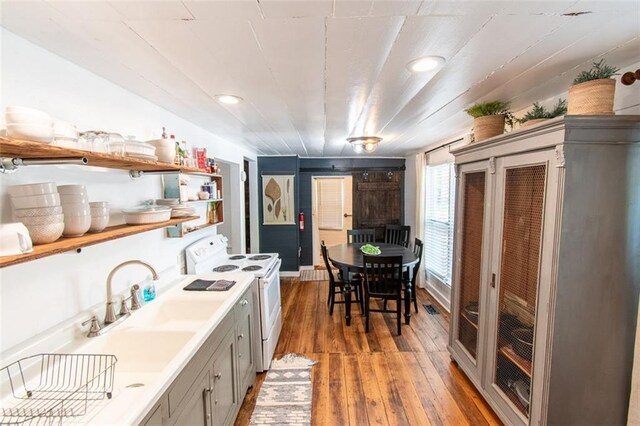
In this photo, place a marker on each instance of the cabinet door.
(225, 391)
(526, 197)
(471, 262)
(195, 410)
(244, 332)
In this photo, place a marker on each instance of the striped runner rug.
(285, 395)
(314, 275)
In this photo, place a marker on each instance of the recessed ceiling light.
(228, 99)
(426, 63)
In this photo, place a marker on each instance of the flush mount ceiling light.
(228, 99)
(366, 144)
(426, 63)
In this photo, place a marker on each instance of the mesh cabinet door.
(522, 222)
(472, 198)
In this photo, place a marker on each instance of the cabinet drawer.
(185, 380)
(244, 304)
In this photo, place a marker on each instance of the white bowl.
(166, 155)
(98, 223)
(74, 198)
(32, 189)
(26, 118)
(14, 111)
(62, 129)
(43, 234)
(163, 144)
(42, 211)
(76, 209)
(33, 201)
(34, 132)
(100, 211)
(143, 215)
(75, 226)
(42, 220)
(95, 204)
(72, 189)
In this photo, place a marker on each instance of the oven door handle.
(274, 270)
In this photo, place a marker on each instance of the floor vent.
(430, 309)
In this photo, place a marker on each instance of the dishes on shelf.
(99, 216)
(165, 149)
(522, 342)
(522, 391)
(471, 312)
(134, 149)
(167, 201)
(147, 214)
(37, 207)
(28, 123)
(182, 211)
(75, 205)
(14, 239)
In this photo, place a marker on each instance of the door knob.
(347, 215)
(218, 376)
(241, 336)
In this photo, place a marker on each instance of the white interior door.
(332, 214)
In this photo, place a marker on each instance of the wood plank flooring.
(375, 378)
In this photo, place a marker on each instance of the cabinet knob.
(240, 336)
(218, 376)
(239, 354)
(244, 302)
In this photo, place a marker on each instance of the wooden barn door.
(377, 200)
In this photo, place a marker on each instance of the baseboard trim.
(440, 298)
(307, 268)
(290, 274)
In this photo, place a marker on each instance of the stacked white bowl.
(65, 134)
(77, 213)
(37, 206)
(99, 216)
(28, 123)
(165, 149)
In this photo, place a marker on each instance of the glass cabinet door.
(470, 264)
(519, 267)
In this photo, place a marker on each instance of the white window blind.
(439, 208)
(330, 203)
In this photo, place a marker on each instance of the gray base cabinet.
(546, 269)
(210, 389)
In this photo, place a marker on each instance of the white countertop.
(153, 345)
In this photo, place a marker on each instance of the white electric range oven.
(210, 255)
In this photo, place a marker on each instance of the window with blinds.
(330, 193)
(438, 229)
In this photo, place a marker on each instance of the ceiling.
(313, 73)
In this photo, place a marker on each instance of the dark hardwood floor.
(377, 377)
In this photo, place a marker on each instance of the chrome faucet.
(110, 314)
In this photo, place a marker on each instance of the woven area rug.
(285, 395)
(314, 275)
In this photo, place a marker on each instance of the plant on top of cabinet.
(489, 118)
(539, 113)
(593, 91)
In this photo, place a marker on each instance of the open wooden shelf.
(468, 320)
(517, 360)
(29, 149)
(68, 244)
(200, 227)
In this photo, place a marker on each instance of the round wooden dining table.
(349, 259)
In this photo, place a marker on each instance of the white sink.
(141, 350)
(178, 310)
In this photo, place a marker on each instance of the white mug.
(14, 239)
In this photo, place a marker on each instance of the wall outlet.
(182, 263)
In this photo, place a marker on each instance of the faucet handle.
(124, 309)
(94, 330)
(135, 298)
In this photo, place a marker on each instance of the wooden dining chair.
(383, 280)
(397, 234)
(339, 284)
(418, 248)
(361, 235)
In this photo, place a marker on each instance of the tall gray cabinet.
(547, 269)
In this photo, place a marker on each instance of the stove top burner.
(225, 268)
(238, 257)
(252, 268)
(260, 257)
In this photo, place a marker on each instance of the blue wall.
(296, 247)
(282, 239)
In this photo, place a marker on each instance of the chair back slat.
(418, 248)
(397, 234)
(327, 265)
(361, 235)
(383, 275)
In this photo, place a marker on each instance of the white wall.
(36, 296)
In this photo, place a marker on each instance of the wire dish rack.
(62, 386)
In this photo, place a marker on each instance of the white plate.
(142, 156)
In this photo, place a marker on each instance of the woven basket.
(593, 97)
(534, 121)
(488, 126)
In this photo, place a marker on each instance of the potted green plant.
(539, 113)
(489, 118)
(593, 91)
